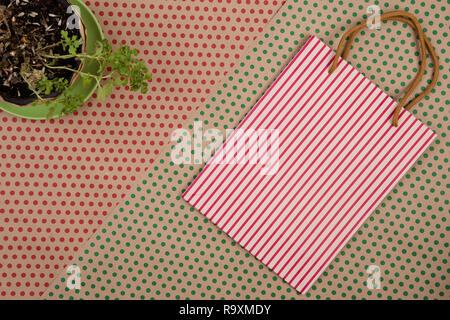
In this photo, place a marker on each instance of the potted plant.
(46, 54)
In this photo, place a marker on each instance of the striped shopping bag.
(342, 145)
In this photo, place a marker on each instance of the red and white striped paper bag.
(337, 157)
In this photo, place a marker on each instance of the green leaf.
(108, 88)
(101, 95)
(105, 90)
(70, 44)
(87, 81)
(117, 82)
(71, 102)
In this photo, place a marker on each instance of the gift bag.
(312, 159)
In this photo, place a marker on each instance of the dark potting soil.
(25, 27)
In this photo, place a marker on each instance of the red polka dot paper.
(60, 178)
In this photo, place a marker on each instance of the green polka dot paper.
(155, 246)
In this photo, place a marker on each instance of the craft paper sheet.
(407, 234)
(338, 157)
(59, 179)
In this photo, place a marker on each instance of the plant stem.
(30, 86)
(97, 78)
(73, 70)
(70, 56)
(50, 46)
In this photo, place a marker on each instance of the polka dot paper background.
(59, 179)
(155, 246)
